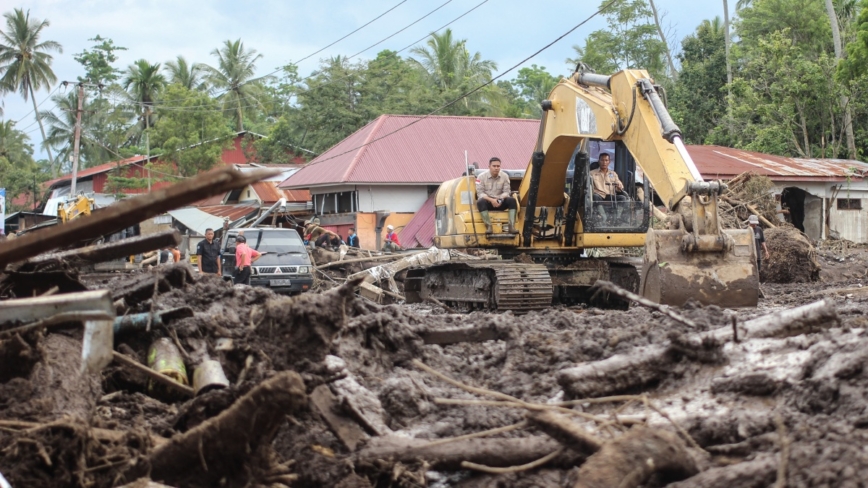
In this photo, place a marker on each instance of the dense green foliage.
(790, 94)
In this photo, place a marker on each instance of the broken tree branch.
(221, 444)
(664, 309)
(60, 318)
(113, 250)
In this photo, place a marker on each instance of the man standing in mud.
(244, 257)
(208, 251)
(760, 240)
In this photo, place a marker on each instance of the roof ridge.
(462, 117)
(377, 123)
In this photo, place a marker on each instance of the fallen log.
(128, 212)
(489, 452)
(758, 473)
(629, 460)
(645, 365)
(220, 445)
(111, 250)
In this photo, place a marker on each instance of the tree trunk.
(240, 125)
(727, 41)
(42, 129)
(672, 72)
(845, 100)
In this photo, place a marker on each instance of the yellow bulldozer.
(558, 218)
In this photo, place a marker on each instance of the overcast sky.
(505, 31)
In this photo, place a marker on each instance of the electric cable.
(468, 93)
(401, 30)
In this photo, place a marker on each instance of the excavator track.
(482, 285)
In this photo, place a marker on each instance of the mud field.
(331, 390)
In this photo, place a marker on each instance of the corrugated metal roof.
(716, 162)
(196, 220)
(424, 150)
(269, 193)
(419, 231)
(102, 168)
(234, 212)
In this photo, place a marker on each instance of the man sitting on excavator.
(492, 193)
(607, 185)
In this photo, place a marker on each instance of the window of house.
(849, 204)
(339, 202)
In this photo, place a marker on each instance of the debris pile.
(171, 378)
(792, 257)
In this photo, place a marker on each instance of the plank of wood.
(328, 405)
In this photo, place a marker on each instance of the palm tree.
(449, 66)
(190, 76)
(234, 74)
(25, 65)
(144, 82)
(61, 128)
(13, 141)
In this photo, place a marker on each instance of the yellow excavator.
(74, 208)
(586, 114)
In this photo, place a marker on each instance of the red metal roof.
(102, 168)
(716, 162)
(412, 149)
(234, 212)
(419, 231)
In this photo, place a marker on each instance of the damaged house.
(825, 197)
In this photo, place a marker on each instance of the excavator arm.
(695, 260)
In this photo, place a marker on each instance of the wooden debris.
(220, 445)
(629, 460)
(328, 406)
(565, 431)
(644, 365)
(111, 250)
(154, 375)
(757, 473)
(488, 452)
(129, 212)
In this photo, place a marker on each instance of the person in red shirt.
(392, 243)
(244, 257)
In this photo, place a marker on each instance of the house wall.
(846, 224)
(403, 198)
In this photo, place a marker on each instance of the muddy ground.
(741, 404)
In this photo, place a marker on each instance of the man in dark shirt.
(760, 240)
(208, 251)
(353, 238)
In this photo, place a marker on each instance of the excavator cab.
(630, 211)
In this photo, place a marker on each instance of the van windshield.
(287, 241)
(280, 242)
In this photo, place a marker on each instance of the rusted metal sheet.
(716, 162)
(128, 212)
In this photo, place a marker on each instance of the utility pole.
(77, 142)
(77, 138)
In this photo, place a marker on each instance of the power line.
(39, 104)
(331, 81)
(306, 57)
(348, 35)
(467, 94)
(401, 30)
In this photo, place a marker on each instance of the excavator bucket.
(672, 275)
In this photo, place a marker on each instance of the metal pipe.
(593, 79)
(668, 127)
(279, 203)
